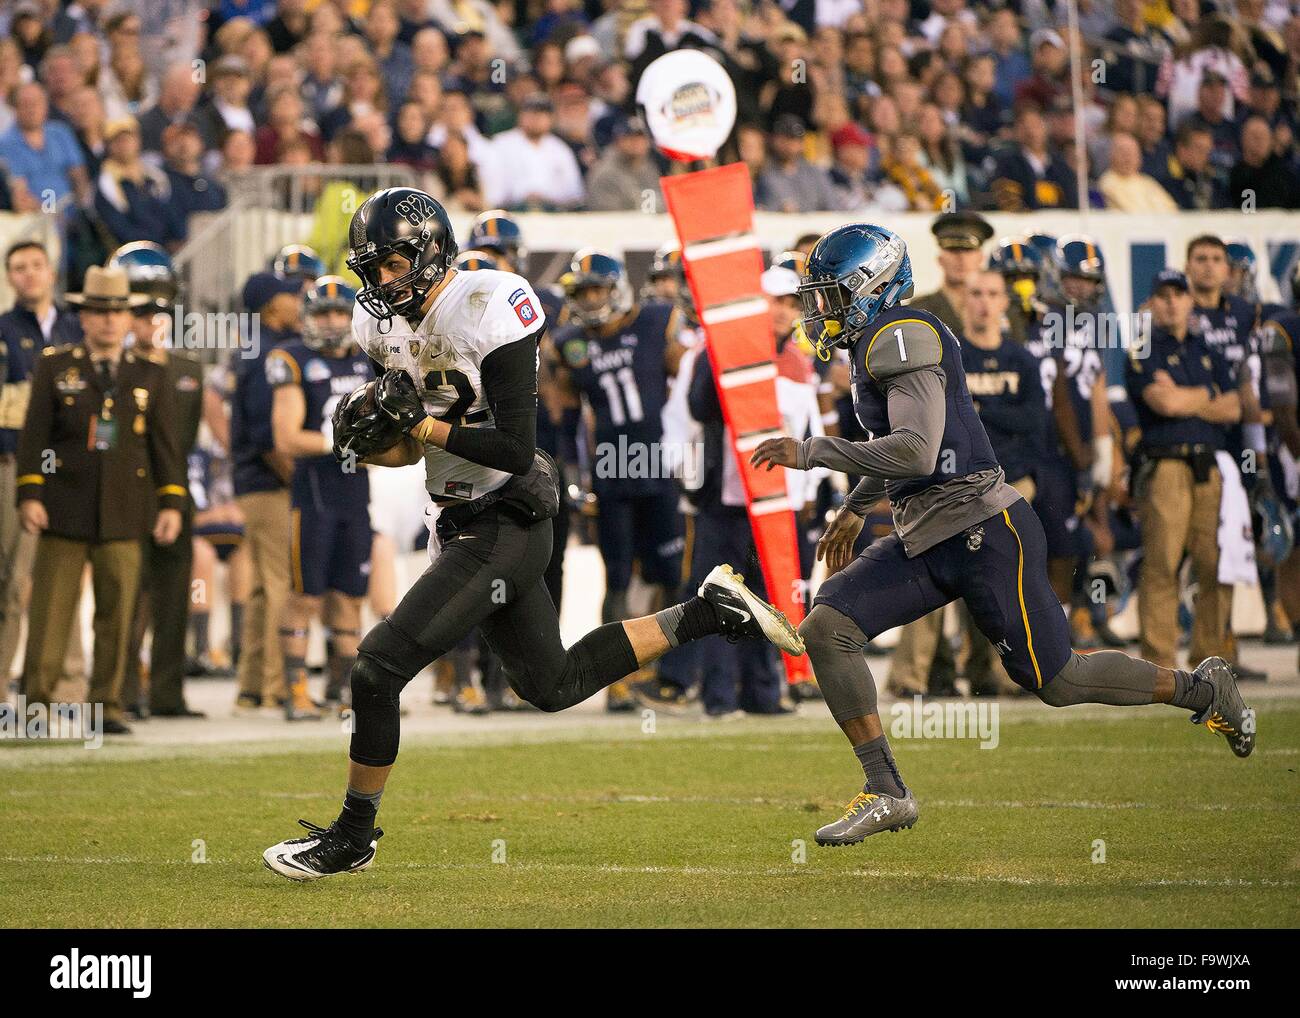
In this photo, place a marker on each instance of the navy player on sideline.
(960, 531)
(329, 520)
(618, 356)
(459, 391)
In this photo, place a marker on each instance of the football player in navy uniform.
(618, 356)
(960, 531)
(299, 263)
(329, 535)
(1280, 345)
(1021, 266)
(459, 392)
(1228, 325)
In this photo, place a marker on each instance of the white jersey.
(476, 313)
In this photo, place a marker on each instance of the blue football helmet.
(498, 232)
(1274, 531)
(1079, 257)
(1015, 256)
(298, 261)
(853, 274)
(472, 261)
(150, 271)
(328, 293)
(1242, 263)
(591, 269)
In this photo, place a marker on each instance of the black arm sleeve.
(509, 375)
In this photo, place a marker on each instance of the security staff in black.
(164, 602)
(99, 470)
(1187, 397)
(458, 352)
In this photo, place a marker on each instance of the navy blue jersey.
(1227, 329)
(1190, 362)
(965, 448)
(1006, 385)
(622, 375)
(1078, 358)
(321, 481)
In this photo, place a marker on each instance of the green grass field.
(695, 825)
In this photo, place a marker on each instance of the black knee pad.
(376, 720)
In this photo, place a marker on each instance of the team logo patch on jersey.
(575, 352)
(317, 370)
(413, 346)
(524, 311)
(974, 538)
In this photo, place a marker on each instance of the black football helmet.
(149, 270)
(408, 222)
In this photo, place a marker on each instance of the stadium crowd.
(842, 104)
(860, 106)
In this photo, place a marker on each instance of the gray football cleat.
(743, 613)
(870, 813)
(1227, 713)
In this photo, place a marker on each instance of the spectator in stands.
(191, 189)
(1031, 176)
(458, 174)
(1188, 176)
(789, 183)
(340, 198)
(793, 95)
(429, 51)
(413, 18)
(322, 84)
(1143, 48)
(363, 94)
(178, 94)
(44, 153)
(573, 123)
(1051, 64)
(941, 154)
(289, 26)
(626, 178)
(85, 48)
(1151, 135)
(1216, 47)
(456, 115)
(132, 198)
(227, 107)
(286, 122)
(392, 55)
(237, 153)
(1209, 114)
(664, 29)
(88, 121)
(532, 169)
(27, 27)
(83, 17)
(426, 95)
(1262, 179)
(126, 85)
(465, 16)
(1008, 49)
(61, 80)
(560, 18)
(410, 145)
(1125, 187)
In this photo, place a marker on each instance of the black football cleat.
(324, 852)
(1227, 714)
(742, 613)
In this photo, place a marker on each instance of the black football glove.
(361, 427)
(398, 398)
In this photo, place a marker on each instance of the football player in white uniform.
(457, 355)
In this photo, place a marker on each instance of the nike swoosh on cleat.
(744, 615)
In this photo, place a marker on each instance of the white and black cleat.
(1227, 713)
(870, 813)
(743, 613)
(324, 852)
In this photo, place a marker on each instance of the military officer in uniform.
(164, 602)
(99, 469)
(923, 660)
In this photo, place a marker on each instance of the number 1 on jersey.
(902, 350)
